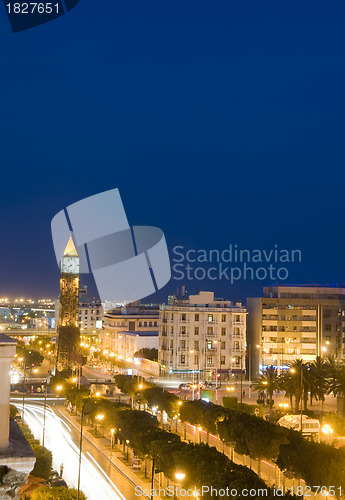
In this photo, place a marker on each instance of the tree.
(146, 353)
(56, 493)
(295, 383)
(318, 379)
(269, 381)
(13, 411)
(44, 460)
(337, 382)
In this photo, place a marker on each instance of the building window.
(328, 328)
(183, 317)
(183, 344)
(196, 345)
(183, 330)
(209, 360)
(196, 317)
(183, 359)
(222, 360)
(196, 330)
(145, 323)
(209, 344)
(237, 345)
(223, 318)
(210, 317)
(209, 330)
(196, 360)
(223, 331)
(222, 345)
(237, 318)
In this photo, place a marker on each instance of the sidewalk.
(270, 473)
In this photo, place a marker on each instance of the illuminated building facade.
(202, 334)
(295, 322)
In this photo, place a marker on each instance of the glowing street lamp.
(112, 438)
(127, 442)
(59, 389)
(327, 429)
(180, 476)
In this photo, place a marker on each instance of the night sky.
(220, 122)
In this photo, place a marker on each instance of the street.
(99, 476)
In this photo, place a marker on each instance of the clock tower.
(68, 327)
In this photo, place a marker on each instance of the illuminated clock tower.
(68, 327)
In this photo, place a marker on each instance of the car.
(184, 387)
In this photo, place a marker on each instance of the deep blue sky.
(220, 122)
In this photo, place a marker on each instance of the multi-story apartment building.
(90, 316)
(130, 328)
(294, 321)
(203, 335)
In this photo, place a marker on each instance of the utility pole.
(44, 413)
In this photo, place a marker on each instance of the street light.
(127, 442)
(99, 417)
(24, 390)
(327, 429)
(112, 438)
(199, 429)
(292, 370)
(179, 476)
(58, 388)
(44, 412)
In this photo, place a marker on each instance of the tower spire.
(70, 248)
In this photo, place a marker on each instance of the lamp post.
(241, 386)
(44, 412)
(81, 445)
(199, 429)
(292, 370)
(58, 388)
(152, 478)
(24, 390)
(98, 418)
(301, 395)
(112, 438)
(179, 476)
(193, 380)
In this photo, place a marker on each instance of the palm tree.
(337, 382)
(296, 382)
(268, 381)
(318, 379)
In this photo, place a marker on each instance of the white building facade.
(129, 329)
(202, 335)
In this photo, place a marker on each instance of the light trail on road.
(61, 440)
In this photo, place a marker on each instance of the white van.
(310, 426)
